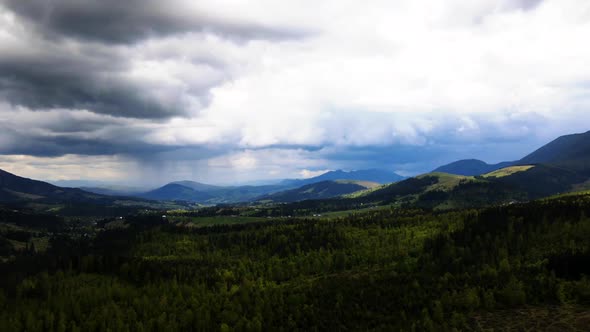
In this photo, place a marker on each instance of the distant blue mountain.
(471, 167)
(176, 192)
(371, 175)
(208, 194)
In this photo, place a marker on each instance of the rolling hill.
(470, 167)
(443, 191)
(319, 190)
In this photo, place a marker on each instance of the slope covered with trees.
(319, 190)
(390, 269)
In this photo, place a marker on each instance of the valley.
(433, 252)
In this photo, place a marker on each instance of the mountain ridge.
(15, 188)
(176, 192)
(319, 190)
(203, 193)
(559, 166)
(471, 167)
(372, 175)
(567, 151)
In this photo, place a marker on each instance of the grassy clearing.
(365, 192)
(366, 184)
(446, 181)
(507, 171)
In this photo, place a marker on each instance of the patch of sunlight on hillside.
(508, 171)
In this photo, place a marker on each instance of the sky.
(142, 92)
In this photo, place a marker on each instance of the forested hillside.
(319, 190)
(391, 269)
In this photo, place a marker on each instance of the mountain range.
(287, 189)
(560, 166)
(208, 194)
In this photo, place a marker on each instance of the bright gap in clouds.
(271, 90)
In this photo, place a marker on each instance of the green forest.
(391, 269)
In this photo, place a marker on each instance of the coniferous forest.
(521, 266)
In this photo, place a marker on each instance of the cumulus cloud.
(203, 91)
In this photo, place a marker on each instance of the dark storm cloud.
(72, 56)
(420, 159)
(54, 146)
(80, 81)
(59, 133)
(67, 125)
(127, 21)
(62, 66)
(48, 143)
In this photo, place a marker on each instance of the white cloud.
(273, 163)
(392, 72)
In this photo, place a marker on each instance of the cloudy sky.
(225, 91)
